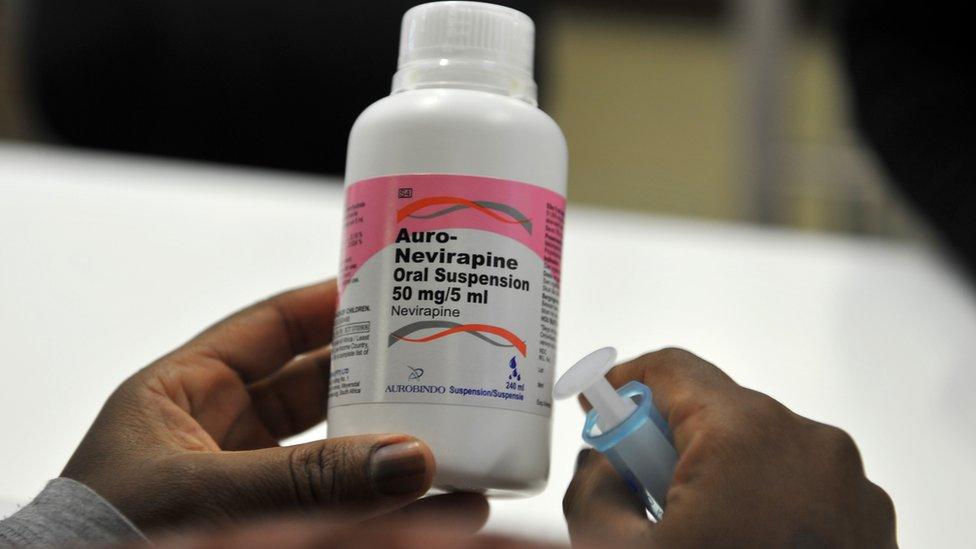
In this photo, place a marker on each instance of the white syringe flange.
(587, 377)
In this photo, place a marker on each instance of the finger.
(682, 385)
(599, 506)
(289, 401)
(264, 337)
(248, 432)
(295, 397)
(283, 533)
(325, 534)
(465, 512)
(667, 369)
(360, 476)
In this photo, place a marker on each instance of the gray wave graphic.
(526, 223)
(424, 324)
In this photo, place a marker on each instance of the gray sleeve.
(67, 512)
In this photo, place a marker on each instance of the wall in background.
(646, 106)
(651, 98)
(652, 109)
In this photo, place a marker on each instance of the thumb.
(600, 508)
(360, 475)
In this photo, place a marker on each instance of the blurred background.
(725, 109)
(850, 119)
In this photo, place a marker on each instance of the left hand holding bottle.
(193, 439)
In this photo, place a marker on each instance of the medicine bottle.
(452, 240)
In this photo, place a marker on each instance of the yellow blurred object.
(647, 110)
(652, 109)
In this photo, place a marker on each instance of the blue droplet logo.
(514, 367)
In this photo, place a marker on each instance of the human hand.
(407, 531)
(750, 473)
(193, 437)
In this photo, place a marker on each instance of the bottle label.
(449, 293)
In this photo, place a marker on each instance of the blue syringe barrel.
(640, 448)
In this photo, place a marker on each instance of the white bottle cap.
(469, 45)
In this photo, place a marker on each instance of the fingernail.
(399, 468)
(582, 457)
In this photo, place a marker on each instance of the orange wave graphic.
(405, 211)
(487, 328)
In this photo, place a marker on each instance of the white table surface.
(106, 262)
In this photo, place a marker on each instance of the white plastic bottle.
(449, 280)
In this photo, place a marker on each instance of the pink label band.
(378, 209)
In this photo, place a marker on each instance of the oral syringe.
(625, 426)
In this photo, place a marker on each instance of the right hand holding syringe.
(632, 435)
(750, 472)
